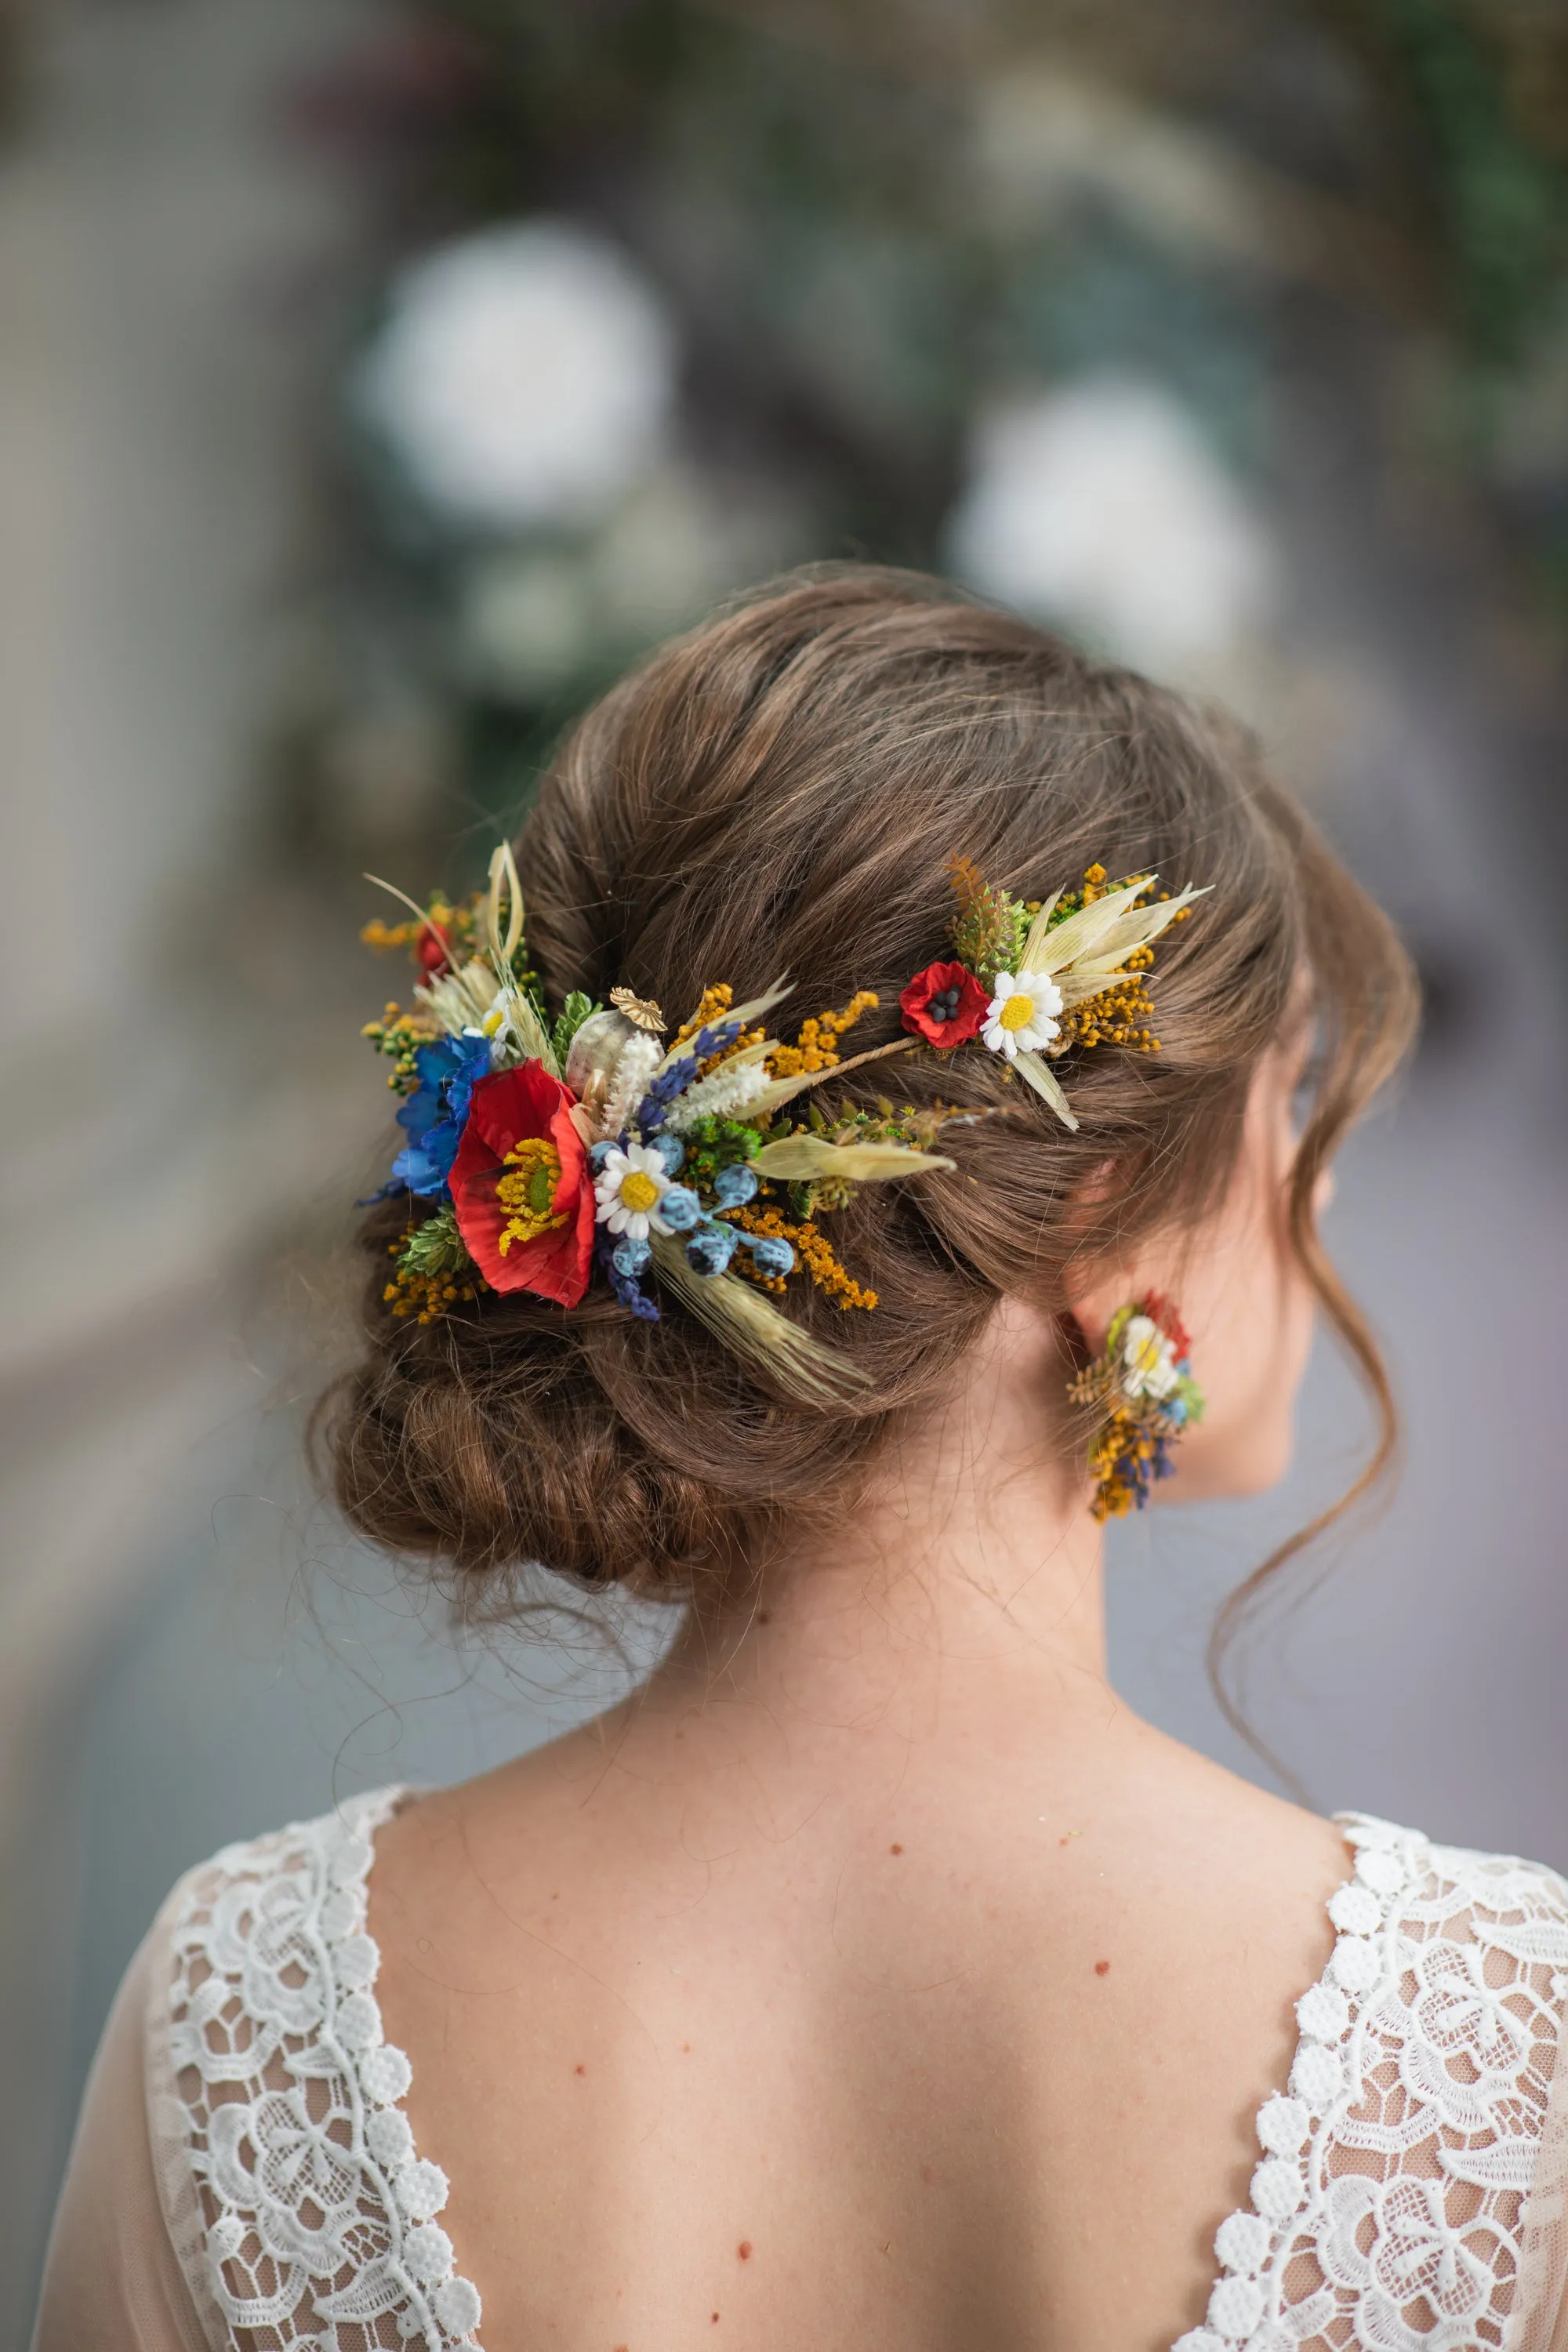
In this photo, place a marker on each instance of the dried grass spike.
(988, 929)
(739, 1314)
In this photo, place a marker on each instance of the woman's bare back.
(972, 2060)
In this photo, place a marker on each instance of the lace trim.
(294, 2190)
(1389, 2210)
(1389, 2207)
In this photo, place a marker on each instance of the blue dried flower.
(770, 1254)
(625, 1285)
(631, 1257)
(680, 1208)
(663, 1089)
(671, 1150)
(710, 1251)
(734, 1185)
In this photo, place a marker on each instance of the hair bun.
(786, 789)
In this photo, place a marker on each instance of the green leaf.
(1192, 1396)
(436, 1247)
(573, 1012)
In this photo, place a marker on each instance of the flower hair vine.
(1031, 979)
(547, 1153)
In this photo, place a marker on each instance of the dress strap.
(1410, 2191)
(291, 2190)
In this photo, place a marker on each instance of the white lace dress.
(244, 2178)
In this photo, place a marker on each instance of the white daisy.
(628, 1188)
(1021, 1017)
(1148, 1359)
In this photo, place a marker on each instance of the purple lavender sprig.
(674, 1081)
(625, 1285)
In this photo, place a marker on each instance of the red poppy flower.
(945, 1004)
(433, 952)
(527, 1216)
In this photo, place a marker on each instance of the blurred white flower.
(1100, 508)
(533, 617)
(523, 375)
(528, 620)
(683, 538)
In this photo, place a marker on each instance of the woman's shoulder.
(275, 2099)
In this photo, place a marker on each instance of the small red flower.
(945, 1004)
(1159, 1310)
(510, 1107)
(433, 950)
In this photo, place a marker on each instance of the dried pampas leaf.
(503, 880)
(1048, 949)
(741, 1013)
(1099, 937)
(782, 1090)
(804, 1159)
(1140, 928)
(1043, 1078)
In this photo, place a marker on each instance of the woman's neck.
(959, 1607)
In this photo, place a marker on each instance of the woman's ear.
(1095, 1284)
(1094, 1290)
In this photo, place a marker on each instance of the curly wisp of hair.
(782, 791)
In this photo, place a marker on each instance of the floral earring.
(1143, 1381)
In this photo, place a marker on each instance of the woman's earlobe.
(1092, 1298)
(1076, 1345)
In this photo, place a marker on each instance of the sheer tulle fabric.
(244, 2178)
(113, 2279)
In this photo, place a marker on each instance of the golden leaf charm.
(639, 1009)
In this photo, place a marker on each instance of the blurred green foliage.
(1250, 200)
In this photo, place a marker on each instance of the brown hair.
(781, 791)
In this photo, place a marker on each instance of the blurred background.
(376, 381)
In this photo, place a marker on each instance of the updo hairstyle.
(781, 792)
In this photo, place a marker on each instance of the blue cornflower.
(436, 1113)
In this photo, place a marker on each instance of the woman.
(873, 1976)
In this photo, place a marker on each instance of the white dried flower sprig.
(1084, 956)
(727, 1092)
(629, 1078)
